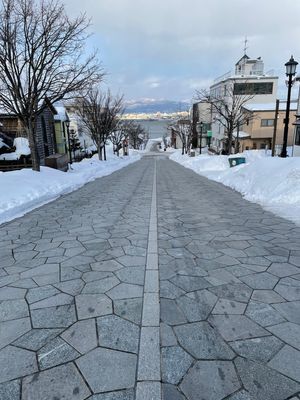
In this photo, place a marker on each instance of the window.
(254, 146)
(262, 146)
(267, 122)
(253, 88)
(297, 138)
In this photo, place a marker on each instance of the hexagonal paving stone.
(235, 291)
(117, 333)
(13, 309)
(175, 363)
(288, 332)
(197, 306)
(92, 305)
(199, 380)
(15, 363)
(258, 349)
(287, 361)
(37, 338)
(10, 390)
(134, 275)
(56, 352)
(170, 392)
(264, 383)
(108, 370)
(82, 335)
(167, 337)
(266, 296)
(12, 330)
(125, 291)
(190, 283)
(170, 313)
(170, 291)
(225, 306)
(289, 310)
(53, 317)
(289, 289)
(263, 314)
(106, 266)
(57, 300)
(203, 342)
(100, 286)
(63, 382)
(130, 309)
(283, 269)
(234, 327)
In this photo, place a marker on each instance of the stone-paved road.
(79, 315)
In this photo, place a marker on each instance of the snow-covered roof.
(242, 134)
(62, 114)
(270, 106)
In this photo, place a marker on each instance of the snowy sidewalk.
(25, 190)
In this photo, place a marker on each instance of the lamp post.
(290, 73)
(69, 142)
(201, 131)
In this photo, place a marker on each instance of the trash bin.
(192, 153)
(234, 161)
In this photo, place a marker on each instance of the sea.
(156, 128)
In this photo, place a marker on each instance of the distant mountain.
(150, 106)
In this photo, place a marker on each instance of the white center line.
(149, 369)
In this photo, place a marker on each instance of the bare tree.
(119, 135)
(136, 134)
(100, 112)
(183, 129)
(227, 109)
(41, 56)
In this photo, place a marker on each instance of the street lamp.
(201, 131)
(290, 73)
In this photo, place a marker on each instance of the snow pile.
(22, 149)
(25, 189)
(274, 183)
(152, 144)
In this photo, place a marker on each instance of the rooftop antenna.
(246, 41)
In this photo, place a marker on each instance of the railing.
(223, 77)
(7, 166)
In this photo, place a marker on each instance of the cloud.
(163, 48)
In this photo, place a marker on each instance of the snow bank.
(22, 149)
(274, 183)
(25, 189)
(152, 144)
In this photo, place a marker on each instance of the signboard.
(209, 133)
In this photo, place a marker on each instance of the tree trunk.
(32, 145)
(100, 152)
(104, 151)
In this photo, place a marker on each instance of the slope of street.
(79, 293)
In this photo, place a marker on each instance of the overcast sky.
(168, 48)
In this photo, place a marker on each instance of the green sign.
(209, 133)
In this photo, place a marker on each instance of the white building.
(248, 79)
